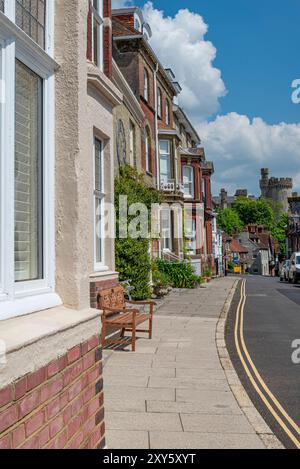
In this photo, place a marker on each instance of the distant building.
(293, 228)
(223, 200)
(277, 189)
(262, 249)
(235, 253)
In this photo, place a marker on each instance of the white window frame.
(97, 14)
(190, 194)
(159, 103)
(26, 297)
(99, 266)
(131, 143)
(168, 118)
(167, 233)
(146, 85)
(147, 150)
(168, 156)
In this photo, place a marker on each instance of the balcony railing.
(172, 187)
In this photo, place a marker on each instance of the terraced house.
(169, 143)
(57, 169)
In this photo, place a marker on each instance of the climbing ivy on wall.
(133, 261)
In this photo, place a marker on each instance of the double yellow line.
(268, 398)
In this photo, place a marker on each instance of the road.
(263, 323)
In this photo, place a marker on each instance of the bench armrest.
(120, 310)
(148, 302)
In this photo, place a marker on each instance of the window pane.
(1, 5)
(28, 176)
(98, 165)
(165, 161)
(31, 17)
(98, 222)
(99, 200)
(188, 181)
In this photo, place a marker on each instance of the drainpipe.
(156, 129)
(157, 146)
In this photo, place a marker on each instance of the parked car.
(284, 271)
(294, 270)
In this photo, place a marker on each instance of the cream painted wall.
(81, 112)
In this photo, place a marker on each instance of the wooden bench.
(117, 314)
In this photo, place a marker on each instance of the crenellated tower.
(277, 189)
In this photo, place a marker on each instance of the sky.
(236, 61)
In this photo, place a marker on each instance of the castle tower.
(264, 182)
(277, 189)
(223, 197)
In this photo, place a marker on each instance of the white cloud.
(240, 147)
(180, 44)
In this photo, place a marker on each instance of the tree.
(258, 211)
(278, 232)
(229, 221)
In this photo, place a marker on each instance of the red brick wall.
(96, 287)
(128, 20)
(58, 406)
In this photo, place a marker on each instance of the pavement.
(271, 325)
(173, 392)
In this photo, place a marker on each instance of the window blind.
(28, 175)
(31, 17)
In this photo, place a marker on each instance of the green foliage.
(231, 265)
(229, 221)
(180, 274)
(278, 232)
(255, 211)
(132, 255)
(207, 273)
(260, 212)
(159, 278)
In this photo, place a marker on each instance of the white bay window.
(189, 182)
(27, 244)
(99, 205)
(97, 35)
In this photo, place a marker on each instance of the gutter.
(156, 129)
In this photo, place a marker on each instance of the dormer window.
(137, 24)
(146, 85)
(97, 34)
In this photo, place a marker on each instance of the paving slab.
(139, 421)
(189, 383)
(113, 370)
(185, 440)
(127, 439)
(211, 423)
(127, 392)
(193, 407)
(124, 405)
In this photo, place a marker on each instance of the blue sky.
(258, 52)
(235, 60)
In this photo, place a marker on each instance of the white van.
(294, 272)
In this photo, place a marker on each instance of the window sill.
(104, 273)
(104, 85)
(29, 305)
